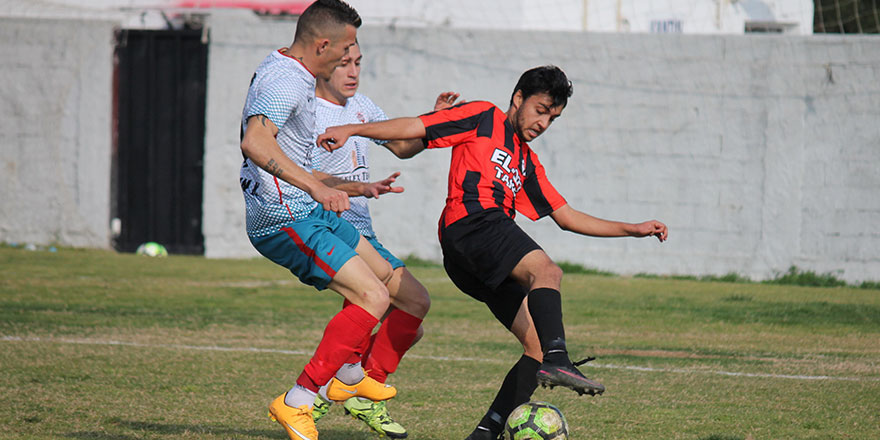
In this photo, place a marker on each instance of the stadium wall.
(55, 130)
(759, 152)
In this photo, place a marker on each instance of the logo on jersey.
(511, 177)
(361, 117)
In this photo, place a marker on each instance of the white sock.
(299, 396)
(350, 374)
(323, 392)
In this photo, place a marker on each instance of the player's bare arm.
(392, 129)
(570, 219)
(407, 148)
(354, 189)
(260, 147)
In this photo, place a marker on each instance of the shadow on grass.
(173, 429)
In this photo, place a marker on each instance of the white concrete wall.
(688, 16)
(760, 152)
(55, 130)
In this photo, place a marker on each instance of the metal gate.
(159, 112)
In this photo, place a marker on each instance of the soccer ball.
(152, 249)
(537, 421)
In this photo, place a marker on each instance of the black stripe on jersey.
(487, 123)
(533, 190)
(471, 194)
(498, 193)
(469, 123)
(508, 137)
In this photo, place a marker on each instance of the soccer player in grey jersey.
(338, 104)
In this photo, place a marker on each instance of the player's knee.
(421, 302)
(376, 299)
(549, 274)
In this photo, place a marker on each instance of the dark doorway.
(159, 105)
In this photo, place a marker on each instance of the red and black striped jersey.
(491, 167)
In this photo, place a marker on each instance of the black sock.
(517, 388)
(545, 306)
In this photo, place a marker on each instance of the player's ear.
(517, 100)
(322, 45)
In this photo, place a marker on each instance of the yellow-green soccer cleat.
(297, 422)
(321, 407)
(375, 415)
(338, 391)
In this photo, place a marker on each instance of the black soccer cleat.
(482, 433)
(567, 375)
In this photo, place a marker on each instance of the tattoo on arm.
(273, 168)
(263, 119)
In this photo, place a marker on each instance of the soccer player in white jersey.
(339, 104)
(293, 218)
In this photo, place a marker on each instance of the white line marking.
(422, 357)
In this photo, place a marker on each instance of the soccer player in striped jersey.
(338, 104)
(493, 174)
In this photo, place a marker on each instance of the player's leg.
(401, 327)
(543, 278)
(510, 307)
(323, 258)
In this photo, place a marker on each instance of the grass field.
(97, 345)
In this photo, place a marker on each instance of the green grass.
(98, 345)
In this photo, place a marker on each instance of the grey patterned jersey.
(351, 161)
(283, 90)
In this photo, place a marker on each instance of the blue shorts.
(388, 256)
(313, 248)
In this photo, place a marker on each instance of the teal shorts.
(388, 256)
(313, 249)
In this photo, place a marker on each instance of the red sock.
(393, 339)
(343, 336)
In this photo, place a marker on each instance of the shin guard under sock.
(517, 388)
(545, 307)
(343, 335)
(394, 338)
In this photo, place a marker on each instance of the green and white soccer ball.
(536, 421)
(152, 249)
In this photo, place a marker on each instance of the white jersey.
(350, 162)
(283, 90)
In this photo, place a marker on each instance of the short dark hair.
(545, 79)
(322, 14)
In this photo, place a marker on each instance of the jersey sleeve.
(277, 100)
(454, 125)
(538, 197)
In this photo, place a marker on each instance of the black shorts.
(479, 253)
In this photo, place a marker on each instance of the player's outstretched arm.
(392, 129)
(407, 148)
(260, 147)
(354, 189)
(570, 219)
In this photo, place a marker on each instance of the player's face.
(534, 115)
(337, 49)
(344, 80)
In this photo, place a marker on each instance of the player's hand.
(331, 199)
(333, 138)
(651, 228)
(383, 186)
(446, 100)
